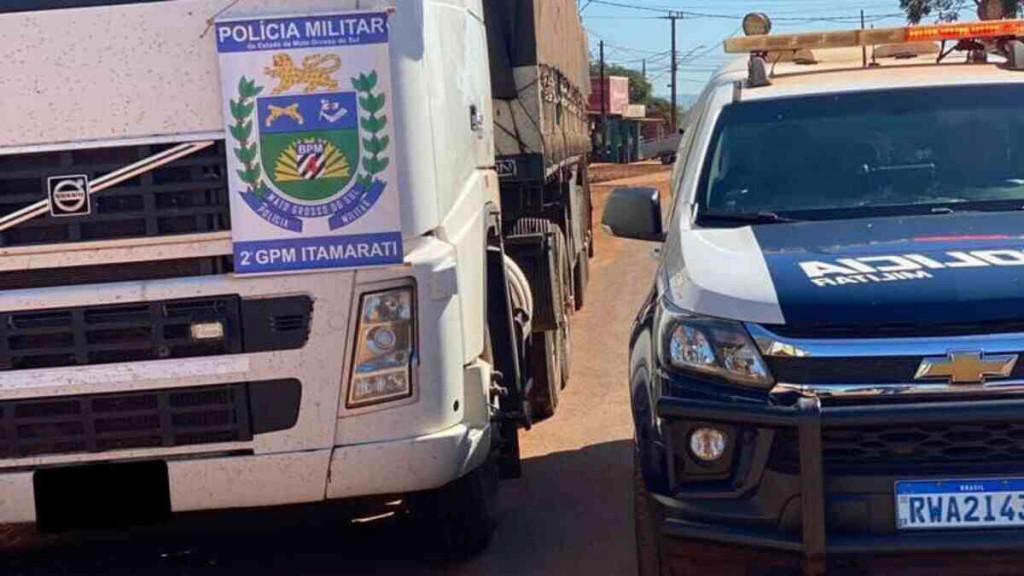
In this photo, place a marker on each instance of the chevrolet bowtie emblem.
(966, 367)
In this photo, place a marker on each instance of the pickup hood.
(948, 269)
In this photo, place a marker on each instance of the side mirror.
(634, 213)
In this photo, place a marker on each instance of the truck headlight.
(710, 346)
(385, 348)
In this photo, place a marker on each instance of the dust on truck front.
(137, 363)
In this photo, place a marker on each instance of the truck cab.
(825, 375)
(137, 364)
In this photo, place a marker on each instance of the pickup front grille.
(188, 196)
(151, 419)
(853, 370)
(909, 446)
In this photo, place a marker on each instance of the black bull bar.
(815, 544)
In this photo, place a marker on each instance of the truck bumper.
(409, 465)
(254, 481)
(804, 513)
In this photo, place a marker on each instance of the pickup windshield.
(894, 152)
(33, 5)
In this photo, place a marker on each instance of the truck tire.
(547, 375)
(564, 331)
(461, 514)
(550, 350)
(647, 519)
(581, 277)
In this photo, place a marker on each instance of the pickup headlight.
(711, 346)
(385, 348)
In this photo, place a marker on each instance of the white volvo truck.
(137, 367)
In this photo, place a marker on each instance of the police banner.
(307, 108)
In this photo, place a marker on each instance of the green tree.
(661, 107)
(639, 88)
(949, 10)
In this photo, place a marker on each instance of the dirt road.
(570, 513)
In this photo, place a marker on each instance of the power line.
(668, 12)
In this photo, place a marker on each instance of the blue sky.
(635, 30)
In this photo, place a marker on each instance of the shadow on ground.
(569, 514)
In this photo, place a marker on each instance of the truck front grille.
(158, 330)
(152, 419)
(120, 272)
(188, 196)
(120, 333)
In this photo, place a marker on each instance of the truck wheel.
(581, 277)
(564, 324)
(460, 515)
(647, 518)
(547, 374)
(565, 352)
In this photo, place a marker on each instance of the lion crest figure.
(315, 73)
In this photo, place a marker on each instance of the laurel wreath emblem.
(373, 124)
(247, 151)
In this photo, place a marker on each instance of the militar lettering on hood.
(904, 267)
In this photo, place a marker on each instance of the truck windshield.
(32, 5)
(909, 151)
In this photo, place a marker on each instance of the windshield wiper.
(745, 217)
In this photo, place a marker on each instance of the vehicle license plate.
(960, 504)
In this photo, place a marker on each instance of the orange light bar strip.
(993, 29)
(852, 38)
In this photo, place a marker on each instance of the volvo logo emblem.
(970, 367)
(69, 196)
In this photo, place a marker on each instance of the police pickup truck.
(826, 375)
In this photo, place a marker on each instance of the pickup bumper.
(801, 509)
(253, 481)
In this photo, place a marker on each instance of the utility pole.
(672, 17)
(863, 49)
(643, 63)
(604, 103)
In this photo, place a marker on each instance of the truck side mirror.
(634, 213)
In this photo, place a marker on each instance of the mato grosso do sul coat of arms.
(310, 139)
